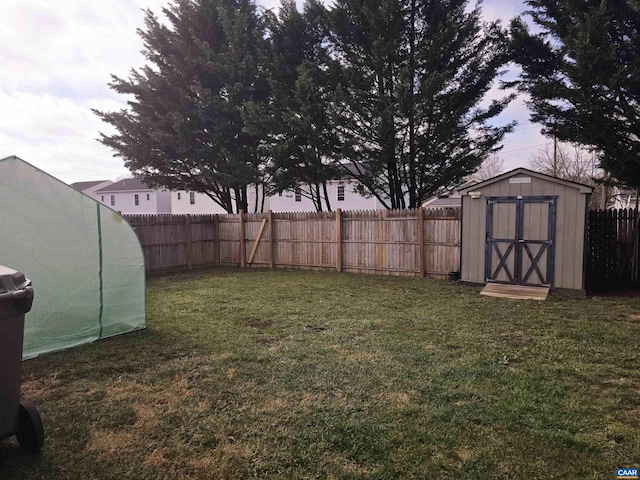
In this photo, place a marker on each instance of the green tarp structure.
(84, 260)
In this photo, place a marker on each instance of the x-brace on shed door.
(520, 240)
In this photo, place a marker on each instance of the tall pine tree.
(185, 124)
(581, 71)
(367, 39)
(414, 76)
(301, 135)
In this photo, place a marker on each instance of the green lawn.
(299, 374)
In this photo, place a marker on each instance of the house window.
(341, 193)
(179, 195)
(147, 197)
(298, 194)
(113, 200)
(136, 199)
(192, 198)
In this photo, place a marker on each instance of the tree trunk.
(605, 192)
(412, 73)
(240, 194)
(255, 204)
(326, 196)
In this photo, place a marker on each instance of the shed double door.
(520, 240)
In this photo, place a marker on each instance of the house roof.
(445, 202)
(82, 186)
(126, 185)
(523, 171)
(347, 171)
(351, 168)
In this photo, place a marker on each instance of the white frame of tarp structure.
(84, 259)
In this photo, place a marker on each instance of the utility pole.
(555, 149)
(555, 155)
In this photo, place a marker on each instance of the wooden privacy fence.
(176, 241)
(613, 252)
(419, 242)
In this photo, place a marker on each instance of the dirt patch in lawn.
(257, 322)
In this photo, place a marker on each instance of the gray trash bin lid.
(14, 287)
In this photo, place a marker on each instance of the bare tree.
(576, 164)
(566, 161)
(491, 167)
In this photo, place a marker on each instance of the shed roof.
(520, 171)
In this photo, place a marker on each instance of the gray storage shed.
(524, 228)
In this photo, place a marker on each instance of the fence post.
(243, 247)
(421, 240)
(382, 237)
(216, 240)
(271, 243)
(187, 226)
(339, 240)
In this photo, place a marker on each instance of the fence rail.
(418, 242)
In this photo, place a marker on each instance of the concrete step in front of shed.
(516, 292)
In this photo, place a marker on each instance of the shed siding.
(569, 232)
(473, 253)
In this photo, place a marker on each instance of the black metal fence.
(613, 252)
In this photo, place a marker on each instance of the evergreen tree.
(581, 71)
(367, 40)
(457, 61)
(185, 126)
(301, 138)
(414, 73)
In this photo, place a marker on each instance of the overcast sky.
(57, 58)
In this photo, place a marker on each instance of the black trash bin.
(19, 418)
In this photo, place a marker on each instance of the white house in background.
(341, 195)
(452, 199)
(90, 188)
(131, 196)
(184, 202)
(341, 192)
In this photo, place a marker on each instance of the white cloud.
(57, 135)
(57, 61)
(57, 58)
